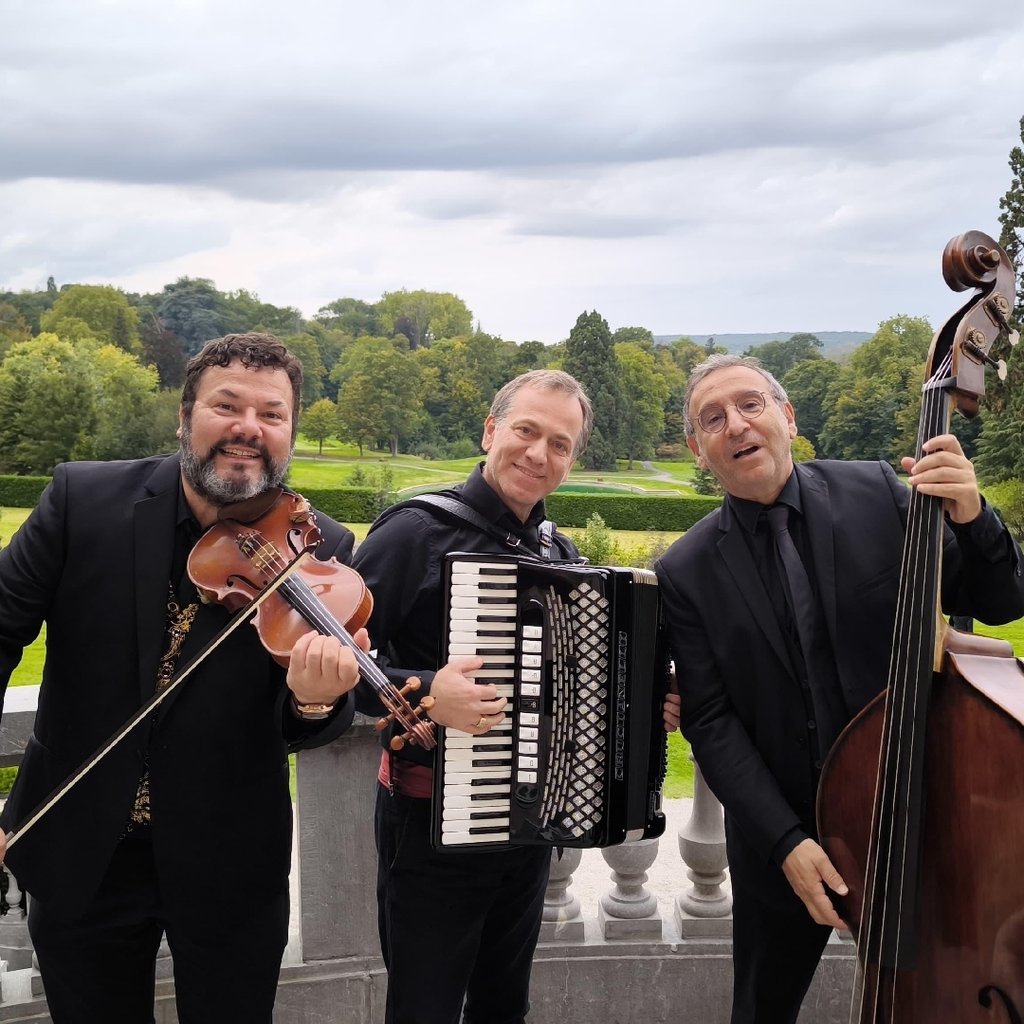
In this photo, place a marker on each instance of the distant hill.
(834, 344)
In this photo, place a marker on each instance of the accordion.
(579, 653)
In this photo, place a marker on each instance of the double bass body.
(970, 902)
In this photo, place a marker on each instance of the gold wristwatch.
(312, 712)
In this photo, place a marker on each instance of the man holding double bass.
(770, 671)
(184, 828)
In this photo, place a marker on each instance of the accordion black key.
(579, 652)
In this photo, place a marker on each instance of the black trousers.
(100, 967)
(775, 954)
(454, 926)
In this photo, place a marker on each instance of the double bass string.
(899, 797)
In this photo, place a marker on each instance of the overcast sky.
(700, 167)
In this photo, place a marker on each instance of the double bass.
(931, 845)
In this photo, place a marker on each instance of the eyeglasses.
(712, 418)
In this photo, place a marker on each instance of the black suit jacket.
(742, 708)
(93, 561)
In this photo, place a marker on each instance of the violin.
(252, 545)
(929, 844)
(255, 562)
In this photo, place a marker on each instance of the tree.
(161, 348)
(379, 393)
(871, 409)
(47, 404)
(320, 421)
(304, 346)
(424, 316)
(644, 394)
(352, 316)
(590, 358)
(254, 315)
(529, 355)
(863, 422)
(31, 305)
(687, 354)
(779, 357)
(640, 335)
(673, 433)
(1001, 441)
(13, 327)
(801, 449)
(808, 385)
(103, 309)
(196, 312)
(125, 395)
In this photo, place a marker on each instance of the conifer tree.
(590, 358)
(1001, 442)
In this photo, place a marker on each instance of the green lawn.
(409, 472)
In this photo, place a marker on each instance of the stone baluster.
(629, 910)
(36, 979)
(703, 910)
(561, 920)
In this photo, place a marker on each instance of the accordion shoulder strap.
(455, 509)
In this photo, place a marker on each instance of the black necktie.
(799, 594)
(802, 604)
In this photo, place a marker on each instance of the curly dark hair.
(251, 350)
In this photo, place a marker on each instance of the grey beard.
(201, 473)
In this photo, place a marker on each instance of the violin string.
(301, 597)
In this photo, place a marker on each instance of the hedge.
(21, 491)
(630, 511)
(346, 504)
(360, 504)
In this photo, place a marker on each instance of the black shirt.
(402, 563)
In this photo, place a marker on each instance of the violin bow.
(155, 701)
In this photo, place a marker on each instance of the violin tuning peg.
(1013, 337)
(1001, 369)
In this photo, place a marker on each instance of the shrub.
(462, 449)
(630, 511)
(346, 504)
(596, 543)
(22, 491)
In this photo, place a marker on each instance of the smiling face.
(531, 449)
(237, 439)
(751, 458)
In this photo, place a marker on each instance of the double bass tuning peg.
(974, 344)
(998, 309)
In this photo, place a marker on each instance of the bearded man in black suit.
(761, 711)
(184, 828)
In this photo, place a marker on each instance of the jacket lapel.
(734, 551)
(153, 525)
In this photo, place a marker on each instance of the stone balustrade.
(627, 953)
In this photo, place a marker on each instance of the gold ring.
(482, 722)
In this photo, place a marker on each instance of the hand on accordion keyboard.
(460, 702)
